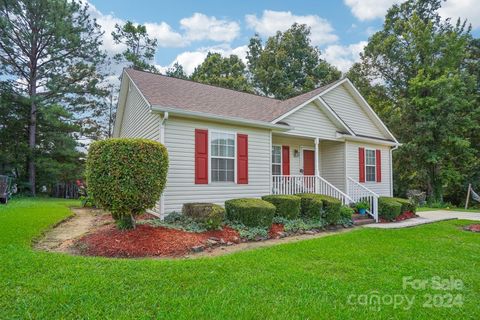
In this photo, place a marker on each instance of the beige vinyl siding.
(332, 163)
(137, 120)
(350, 111)
(311, 121)
(181, 187)
(382, 188)
(294, 144)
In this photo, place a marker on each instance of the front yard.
(319, 278)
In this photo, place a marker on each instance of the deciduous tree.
(424, 66)
(228, 72)
(288, 64)
(177, 71)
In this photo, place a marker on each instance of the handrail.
(359, 192)
(363, 187)
(294, 184)
(346, 196)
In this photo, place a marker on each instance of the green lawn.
(448, 209)
(308, 279)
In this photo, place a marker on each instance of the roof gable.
(312, 120)
(351, 107)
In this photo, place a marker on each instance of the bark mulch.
(473, 228)
(149, 241)
(401, 217)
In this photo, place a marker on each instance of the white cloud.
(164, 34)
(465, 9)
(202, 27)
(195, 28)
(370, 9)
(373, 9)
(272, 21)
(107, 23)
(343, 56)
(191, 59)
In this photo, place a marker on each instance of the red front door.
(308, 163)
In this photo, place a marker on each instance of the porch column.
(317, 171)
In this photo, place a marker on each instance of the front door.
(308, 163)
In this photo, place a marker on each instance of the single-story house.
(226, 144)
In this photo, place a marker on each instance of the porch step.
(362, 219)
(357, 216)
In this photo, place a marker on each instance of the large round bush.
(251, 212)
(126, 176)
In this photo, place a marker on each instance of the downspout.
(270, 166)
(162, 127)
(162, 141)
(391, 169)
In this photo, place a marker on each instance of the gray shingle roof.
(188, 95)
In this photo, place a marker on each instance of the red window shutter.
(286, 160)
(378, 162)
(201, 156)
(242, 158)
(361, 164)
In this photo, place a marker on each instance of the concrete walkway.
(428, 217)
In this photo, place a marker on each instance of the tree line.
(419, 72)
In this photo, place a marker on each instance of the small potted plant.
(362, 207)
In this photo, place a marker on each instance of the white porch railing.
(307, 184)
(358, 192)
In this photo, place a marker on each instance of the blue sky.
(187, 30)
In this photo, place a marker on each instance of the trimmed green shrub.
(346, 212)
(407, 205)
(388, 208)
(209, 214)
(126, 176)
(314, 206)
(288, 206)
(250, 212)
(311, 206)
(331, 209)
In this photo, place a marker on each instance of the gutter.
(219, 118)
(369, 140)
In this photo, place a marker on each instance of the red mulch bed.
(473, 228)
(275, 229)
(401, 217)
(148, 241)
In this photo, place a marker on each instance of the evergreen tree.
(49, 49)
(140, 48)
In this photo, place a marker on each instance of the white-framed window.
(370, 165)
(222, 156)
(276, 160)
